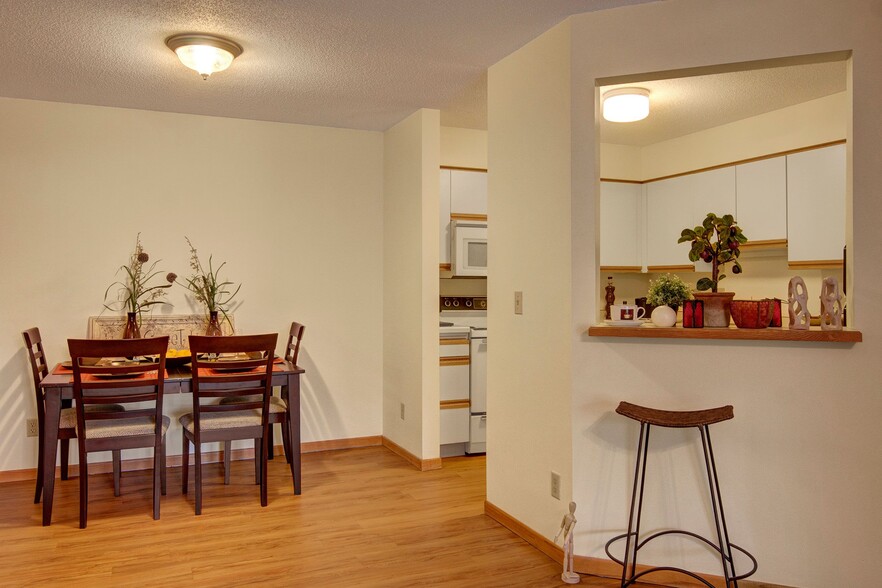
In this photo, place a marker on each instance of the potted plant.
(667, 293)
(134, 293)
(717, 241)
(208, 289)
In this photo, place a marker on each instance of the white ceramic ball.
(664, 316)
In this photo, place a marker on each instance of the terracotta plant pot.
(716, 308)
(751, 314)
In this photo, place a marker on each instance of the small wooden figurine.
(797, 297)
(831, 305)
(610, 296)
(567, 527)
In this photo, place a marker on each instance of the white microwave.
(469, 248)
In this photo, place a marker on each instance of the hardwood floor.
(365, 518)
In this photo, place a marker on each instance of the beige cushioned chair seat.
(125, 427)
(68, 418)
(276, 404)
(221, 420)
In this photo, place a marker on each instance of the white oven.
(469, 248)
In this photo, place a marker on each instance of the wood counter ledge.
(732, 333)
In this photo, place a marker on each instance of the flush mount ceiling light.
(204, 53)
(626, 104)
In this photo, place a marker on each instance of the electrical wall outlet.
(519, 303)
(555, 485)
(402, 411)
(33, 429)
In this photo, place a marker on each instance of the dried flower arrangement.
(206, 286)
(135, 292)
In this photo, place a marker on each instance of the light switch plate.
(519, 303)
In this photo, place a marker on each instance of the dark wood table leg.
(292, 394)
(50, 444)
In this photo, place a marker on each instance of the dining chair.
(278, 406)
(232, 384)
(67, 424)
(124, 382)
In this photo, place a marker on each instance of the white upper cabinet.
(762, 199)
(668, 212)
(621, 225)
(444, 217)
(468, 192)
(712, 191)
(816, 205)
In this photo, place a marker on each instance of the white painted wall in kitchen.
(410, 283)
(463, 147)
(295, 211)
(799, 466)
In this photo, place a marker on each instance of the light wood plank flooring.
(365, 518)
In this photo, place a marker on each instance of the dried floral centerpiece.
(208, 289)
(135, 294)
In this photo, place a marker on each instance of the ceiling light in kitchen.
(626, 104)
(206, 54)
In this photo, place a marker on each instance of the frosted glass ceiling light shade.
(626, 104)
(206, 54)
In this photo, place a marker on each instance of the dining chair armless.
(124, 382)
(278, 406)
(232, 384)
(67, 424)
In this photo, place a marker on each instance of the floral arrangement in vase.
(717, 241)
(135, 294)
(209, 290)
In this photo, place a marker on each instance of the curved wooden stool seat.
(675, 418)
(700, 419)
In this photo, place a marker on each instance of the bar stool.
(700, 419)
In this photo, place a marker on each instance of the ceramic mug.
(626, 312)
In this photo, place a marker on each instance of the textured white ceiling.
(686, 105)
(363, 64)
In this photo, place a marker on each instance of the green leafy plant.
(668, 290)
(207, 287)
(717, 241)
(135, 292)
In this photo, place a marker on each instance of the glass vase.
(132, 330)
(213, 329)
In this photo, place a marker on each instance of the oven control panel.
(463, 303)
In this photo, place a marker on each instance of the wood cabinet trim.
(621, 268)
(816, 264)
(729, 164)
(454, 341)
(766, 244)
(463, 216)
(455, 360)
(451, 404)
(445, 267)
(732, 333)
(671, 268)
(463, 168)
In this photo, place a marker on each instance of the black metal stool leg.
(630, 560)
(717, 505)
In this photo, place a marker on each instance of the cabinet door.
(816, 205)
(444, 218)
(712, 191)
(761, 188)
(621, 225)
(668, 212)
(454, 425)
(468, 192)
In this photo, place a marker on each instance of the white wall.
(810, 123)
(463, 147)
(410, 283)
(800, 465)
(296, 211)
(528, 378)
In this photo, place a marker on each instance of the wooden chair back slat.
(292, 351)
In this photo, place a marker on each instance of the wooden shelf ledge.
(732, 333)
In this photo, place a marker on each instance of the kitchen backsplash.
(463, 286)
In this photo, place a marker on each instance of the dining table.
(57, 388)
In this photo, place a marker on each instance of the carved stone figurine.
(831, 305)
(567, 527)
(797, 298)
